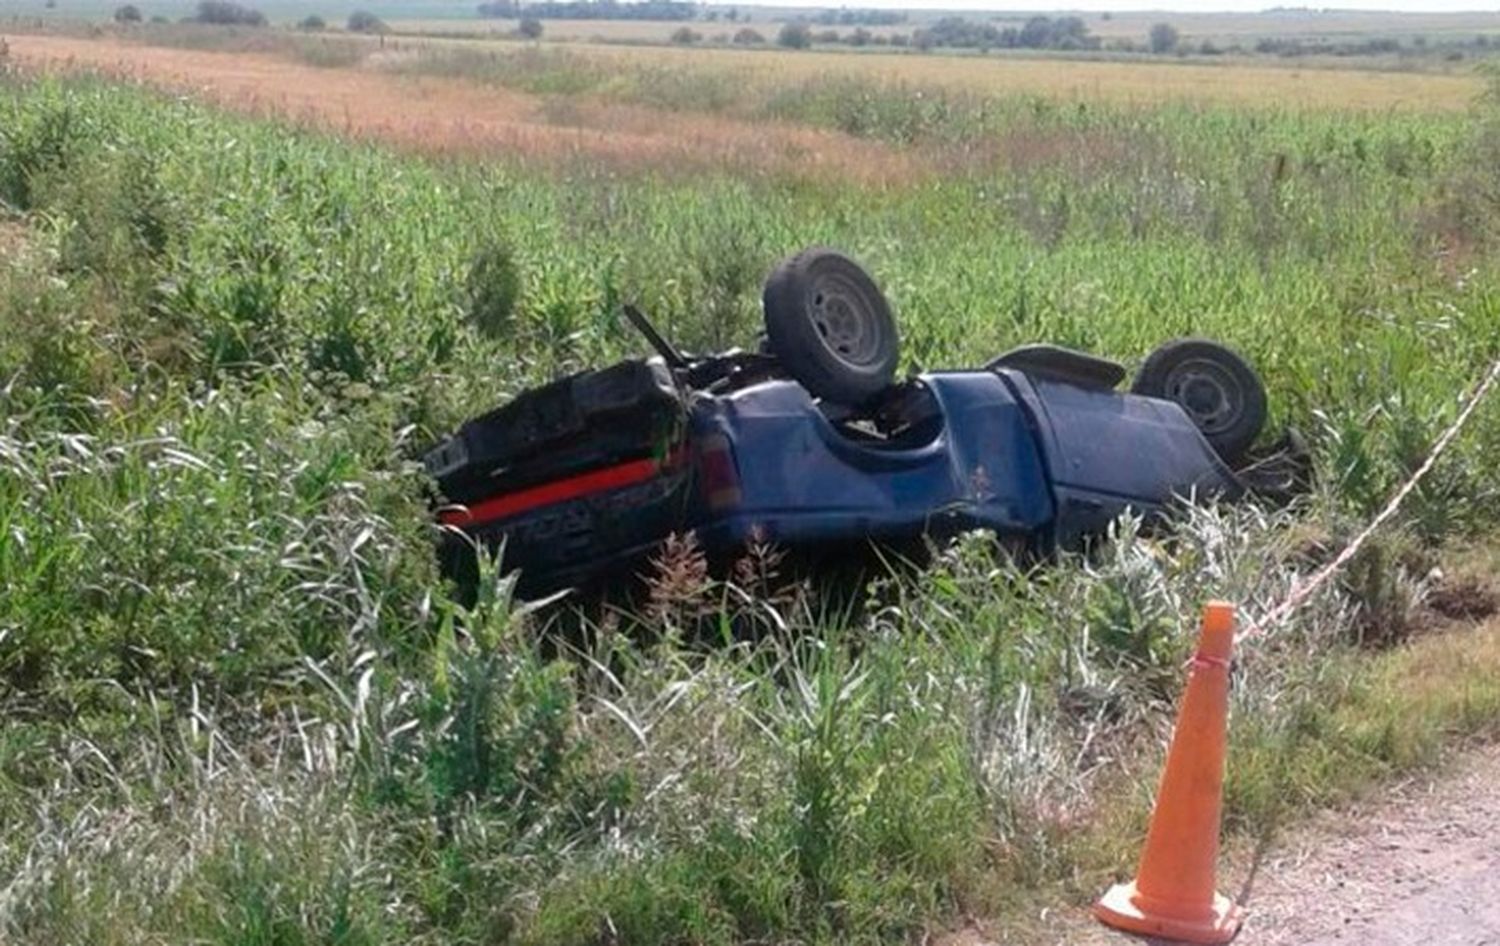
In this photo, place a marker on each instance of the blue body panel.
(1022, 456)
(803, 480)
(1106, 452)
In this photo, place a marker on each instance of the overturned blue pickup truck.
(810, 443)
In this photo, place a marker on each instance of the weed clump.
(494, 289)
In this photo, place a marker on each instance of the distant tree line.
(858, 18)
(1279, 46)
(1039, 32)
(363, 21)
(667, 10)
(228, 13)
(1063, 33)
(799, 35)
(590, 9)
(1165, 39)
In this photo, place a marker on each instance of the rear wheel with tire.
(831, 327)
(1217, 388)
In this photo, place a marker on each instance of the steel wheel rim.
(1209, 392)
(841, 315)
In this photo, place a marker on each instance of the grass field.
(456, 15)
(1224, 29)
(437, 111)
(755, 82)
(1074, 80)
(240, 706)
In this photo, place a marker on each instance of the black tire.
(1215, 386)
(831, 327)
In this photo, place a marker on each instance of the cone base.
(1125, 909)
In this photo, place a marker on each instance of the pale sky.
(1216, 6)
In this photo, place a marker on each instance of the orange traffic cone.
(1174, 895)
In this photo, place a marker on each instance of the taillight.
(719, 480)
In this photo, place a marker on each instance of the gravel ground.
(1419, 865)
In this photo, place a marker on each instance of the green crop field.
(240, 706)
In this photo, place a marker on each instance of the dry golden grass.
(1233, 82)
(449, 116)
(1131, 82)
(12, 238)
(1441, 673)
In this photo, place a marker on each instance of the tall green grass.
(241, 708)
